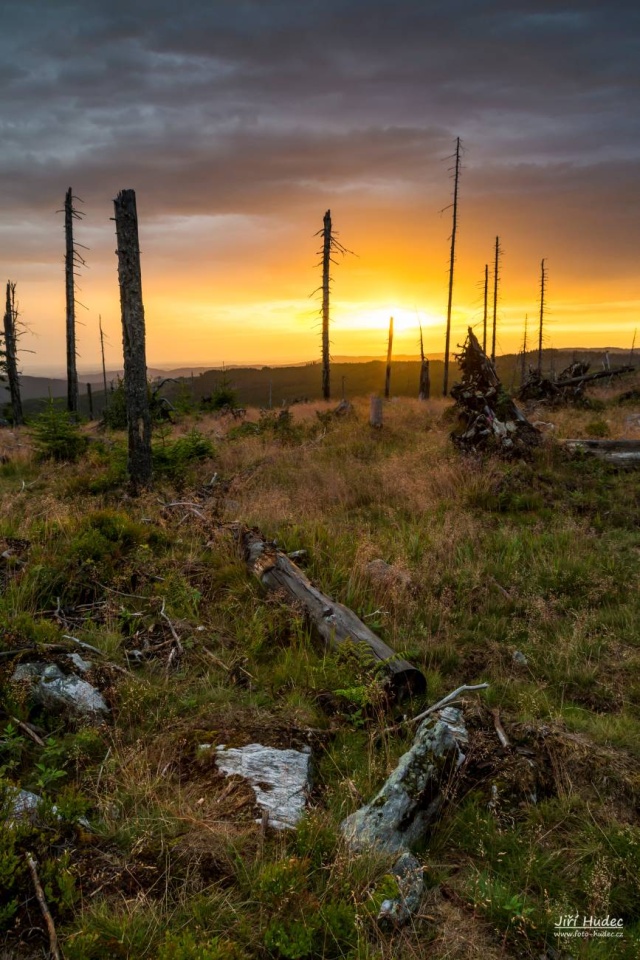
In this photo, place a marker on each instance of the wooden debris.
(334, 622)
(54, 949)
(623, 453)
(568, 387)
(488, 417)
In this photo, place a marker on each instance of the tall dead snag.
(486, 300)
(133, 340)
(424, 387)
(487, 416)
(330, 244)
(523, 358)
(334, 622)
(496, 277)
(452, 259)
(543, 278)
(72, 259)
(387, 379)
(11, 354)
(104, 369)
(326, 280)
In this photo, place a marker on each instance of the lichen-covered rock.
(280, 779)
(399, 814)
(409, 876)
(22, 804)
(56, 690)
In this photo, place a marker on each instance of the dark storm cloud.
(222, 106)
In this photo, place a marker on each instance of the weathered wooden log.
(334, 622)
(621, 452)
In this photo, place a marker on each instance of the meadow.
(523, 575)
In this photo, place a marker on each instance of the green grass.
(491, 558)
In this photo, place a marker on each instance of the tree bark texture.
(334, 622)
(133, 340)
(11, 359)
(72, 373)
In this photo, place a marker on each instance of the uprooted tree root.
(488, 419)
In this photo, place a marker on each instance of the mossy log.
(334, 622)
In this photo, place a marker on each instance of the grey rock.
(280, 779)
(57, 690)
(23, 805)
(520, 659)
(400, 814)
(397, 817)
(408, 872)
(82, 665)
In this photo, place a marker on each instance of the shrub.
(56, 435)
(171, 457)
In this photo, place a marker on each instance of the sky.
(239, 122)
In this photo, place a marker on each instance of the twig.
(500, 588)
(465, 688)
(81, 643)
(28, 729)
(48, 919)
(502, 737)
(171, 627)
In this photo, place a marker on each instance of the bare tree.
(387, 379)
(133, 340)
(104, 369)
(72, 259)
(543, 279)
(496, 277)
(452, 258)
(484, 316)
(424, 387)
(525, 347)
(330, 245)
(11, 353)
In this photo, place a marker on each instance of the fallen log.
(334, 622)
(621, 452)
(566, 387)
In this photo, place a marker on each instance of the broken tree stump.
(334, 622)
(375, 412)
(406, 806)
(487, 415)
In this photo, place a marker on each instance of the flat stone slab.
(55, 689)
(281, 779)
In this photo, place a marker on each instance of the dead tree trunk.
(387, 379)
(486, 299)
(11, 359)
(334, 622)
(104, 369)
(69, 270)
(424, 387)
(543, 277)
(326, 280)
(90, 399)
(523, 362)
(496, 275)
(133, 340)
(452, 258)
